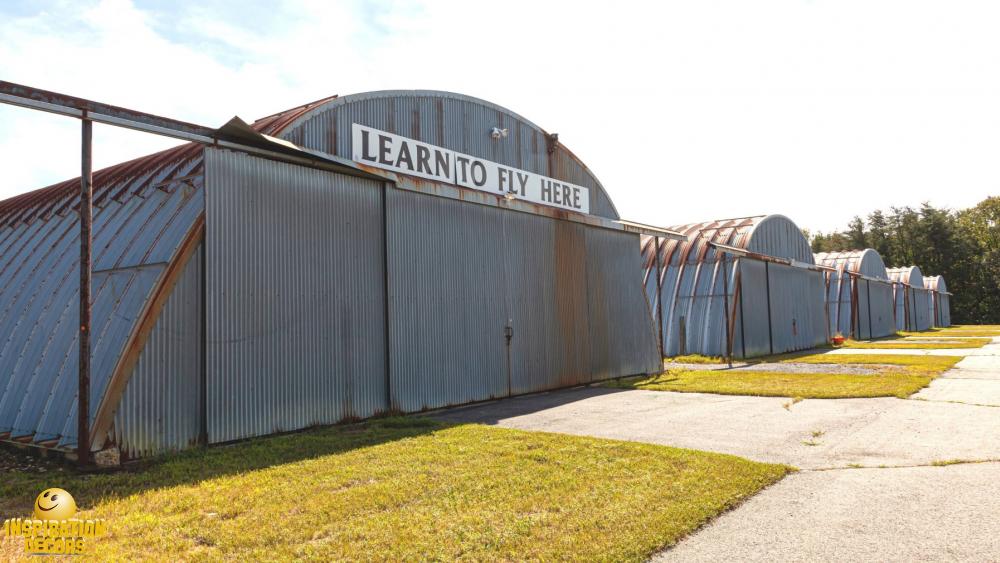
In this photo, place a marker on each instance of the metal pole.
(659, 294)
(725, 299)
(770, 329)
(86, 220)
(868, 296)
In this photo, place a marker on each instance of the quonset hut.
(912, 299)
(940, 300)
(421, 249)
(859, 295)
(769, 278)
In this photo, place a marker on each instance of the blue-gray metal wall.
(860, 277)
(913, 309)
(796, 320)
(296, 300)
(143, 211)
(161, 407)
(461, 274)
(942, 306)
(875, 318)
(295, 296)
(778, 308)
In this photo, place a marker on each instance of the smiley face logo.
(54, 504)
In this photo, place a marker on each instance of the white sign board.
(408, 156)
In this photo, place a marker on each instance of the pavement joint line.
(926, 400)
(942, 463)
(966, 378)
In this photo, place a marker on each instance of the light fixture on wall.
(498, 133)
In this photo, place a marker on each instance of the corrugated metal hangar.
(859, 294)
(913, 300)
(383, 252)
(940, 300)
(738, 287)
(439, 250)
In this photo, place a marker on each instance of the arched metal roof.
(771, 235)
(936, 283)
(909, 275)
(440, 118)
(867, 262)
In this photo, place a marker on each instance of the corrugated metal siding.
(940, 314)
(942, 304)
(912, 300)
(461, 273)
(295, 297)
(446, 301)
(878, 321)
(622, 333)
(546, 261)
(160, 409)
(143, 211)
(777, 235)
(445, 119)
(839, 300)
(799, 321)
(692, 289)
(755, 298)
(843, 290)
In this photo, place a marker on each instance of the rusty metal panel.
(622, 333)
(453, 121)
(160, 410)
(142, 214)
(464, 277)
(295, 294)
(447, 302)
(546, 265)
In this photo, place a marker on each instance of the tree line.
(963, 246)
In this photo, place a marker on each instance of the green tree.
(856, 238)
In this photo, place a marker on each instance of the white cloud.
(685, 110)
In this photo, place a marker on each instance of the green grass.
(404, 489)
(910, 374)
(957, 330)
(695, 359)
(906, 344)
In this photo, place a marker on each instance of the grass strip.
(404, 489)
(907, 375)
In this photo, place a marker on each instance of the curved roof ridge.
(284, 123)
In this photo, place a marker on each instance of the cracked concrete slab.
(984, 367)
(902, 514)
(971, 391)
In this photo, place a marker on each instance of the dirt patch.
(12, 460)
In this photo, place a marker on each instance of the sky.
(686, 111)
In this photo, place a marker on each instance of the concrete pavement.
(905, 514)
(872, 487)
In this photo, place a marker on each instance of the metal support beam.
(659, 297)
(86, 222)
(770, 328)
(725, 304)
